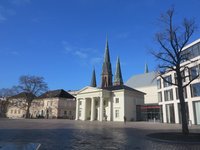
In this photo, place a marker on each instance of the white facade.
(107, 105)
(167, 94)
(146, 83)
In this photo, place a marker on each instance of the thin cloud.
(123, 35)
(5, 13)
(81, 54)
(2, 18)
(90, 55)
(20, 2)
(96, 60)
(15, 53)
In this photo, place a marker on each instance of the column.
(191, 110)
(92, 109)
(84, 109)
(164, 113)
(101, 109)
(176, 113)
(110, 110)
(77, 109)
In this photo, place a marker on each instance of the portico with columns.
(93, 104)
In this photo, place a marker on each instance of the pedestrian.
(124, 119)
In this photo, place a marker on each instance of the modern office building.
(168, 94)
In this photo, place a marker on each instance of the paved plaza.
(85, 135)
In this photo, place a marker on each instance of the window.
(116, 100)
(169, 79)
(15, 111)
(194, 72)
(168, 95)
(184, 93)
(116, 113)
(159, 96)
(159, 83)
(65, 112)
(11, 111)
(195, 89)
(18, 111)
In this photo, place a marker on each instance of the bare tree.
(33, 86)
(172, 41)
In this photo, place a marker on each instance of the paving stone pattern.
(80, 135)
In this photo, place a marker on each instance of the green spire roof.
(93, 81)
(106, 54)
(118, 75)
(146, 69)
(106, 64)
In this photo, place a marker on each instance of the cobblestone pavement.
(86, 135)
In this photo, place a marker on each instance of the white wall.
(151, 96)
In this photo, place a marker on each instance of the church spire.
(106, 54)
(118, 75)
(106, 68)
(93, 81)
(146, 69)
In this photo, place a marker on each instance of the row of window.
(105, 103)
(168, 94)
(191, 52)
(194, 72)
(15, 111)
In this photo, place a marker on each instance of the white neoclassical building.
(110, 102)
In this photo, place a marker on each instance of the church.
(113, 101)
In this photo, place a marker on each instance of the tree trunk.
(28, 110)
(185, 129)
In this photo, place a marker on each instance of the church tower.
(106, 76)
(93, 81)
(118, 74)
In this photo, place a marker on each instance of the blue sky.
(62, 40)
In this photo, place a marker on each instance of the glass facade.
(191, 52)
(170, 113)
(168, 94)
(194, 72)
(159, 96)
(159, 83)
(169, 79)
(197, 112)
(195, 89)
(149, 113)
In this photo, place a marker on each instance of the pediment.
(89, 89)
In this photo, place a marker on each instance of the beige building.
(54, 104)
(17, 105)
